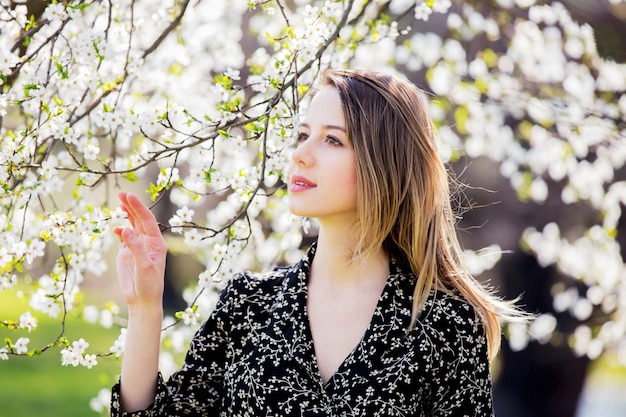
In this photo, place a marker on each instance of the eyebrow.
(336, 127)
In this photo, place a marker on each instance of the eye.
(333, 141)
(301, 137)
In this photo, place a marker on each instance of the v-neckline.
(361, 341)
(387, 325)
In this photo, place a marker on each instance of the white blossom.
(422, 11)
(21, 346)
(89, 361)
(118, 347)
(102, 401)
(69, 357)
(27, 321)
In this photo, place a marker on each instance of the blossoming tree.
(196, 103)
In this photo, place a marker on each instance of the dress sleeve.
(462, 375)
(195, 389)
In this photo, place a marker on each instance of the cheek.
(351, 180)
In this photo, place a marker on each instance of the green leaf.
(131, 176)
(525, 129)
(460, 117)
(154, 191)
(490, 57)
(64, 341)
(207, 174)
(62, 71)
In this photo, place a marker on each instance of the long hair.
(404, 197)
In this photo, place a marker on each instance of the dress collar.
(387, 328)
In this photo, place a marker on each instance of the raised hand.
(141, 257)
(141, 271)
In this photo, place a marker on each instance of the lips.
(300, 183)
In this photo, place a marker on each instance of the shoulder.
(443, 305)
(254, 288)
(455, 346)
(451, 335)
(449, 316)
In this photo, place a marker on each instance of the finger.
(119, 232)
(124, 206)
(144, 220)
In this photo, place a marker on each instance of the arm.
(197, 388)
(462, 385)
(141, 270)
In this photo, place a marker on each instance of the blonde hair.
(404, 192)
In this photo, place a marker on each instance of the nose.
(303, 155)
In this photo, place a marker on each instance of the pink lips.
(300, 183)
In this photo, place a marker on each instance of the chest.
(337, 324)
(273, 366)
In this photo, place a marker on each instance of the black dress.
(254, 357)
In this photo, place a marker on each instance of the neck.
(333, 264)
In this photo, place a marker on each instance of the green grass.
(40, 386)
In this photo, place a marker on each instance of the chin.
(298, 212)
(302, 210)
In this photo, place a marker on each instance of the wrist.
(145, 312)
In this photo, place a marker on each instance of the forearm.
(140, 364)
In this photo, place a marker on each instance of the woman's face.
(322, 171)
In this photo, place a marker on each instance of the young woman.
(379, 318)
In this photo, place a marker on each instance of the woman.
(379, 318)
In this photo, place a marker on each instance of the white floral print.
(254, 357)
